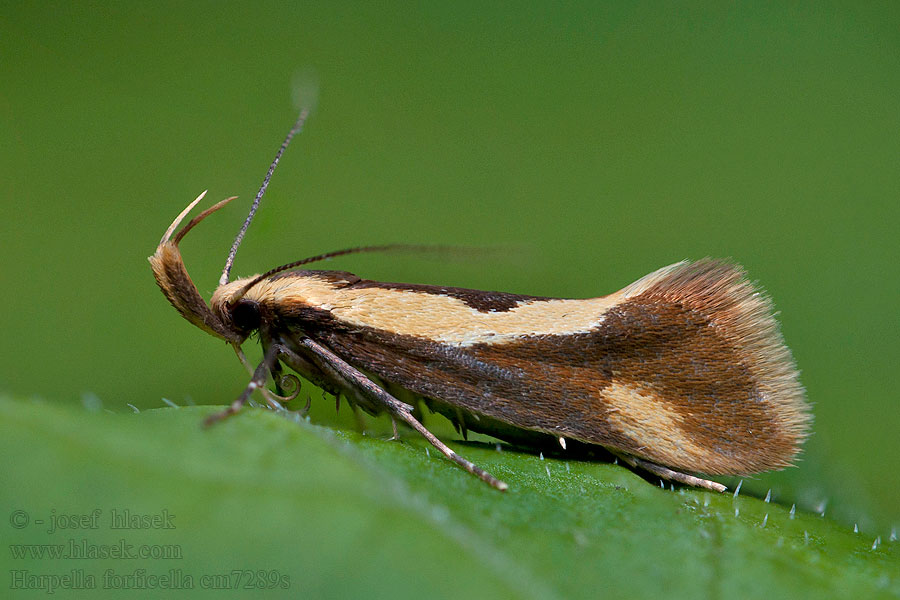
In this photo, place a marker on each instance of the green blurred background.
(598, 141)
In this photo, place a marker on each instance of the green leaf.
(330, 513)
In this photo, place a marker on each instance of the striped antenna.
(297, 128)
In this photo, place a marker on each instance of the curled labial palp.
(292, 383)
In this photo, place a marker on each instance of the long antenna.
(445, 251)
(335, 254)
(297, 128)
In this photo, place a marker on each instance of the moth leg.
(258, 381)
(669, 474)
(396, 436)
(277, 376)
(356, 380)
(272, 399)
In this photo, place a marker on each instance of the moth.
(682, 373)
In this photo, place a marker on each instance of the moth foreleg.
(670, 475)
(358, 381)
(258, 381)
(277, 376)
(273, 399)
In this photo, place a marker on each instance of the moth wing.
(685, 368)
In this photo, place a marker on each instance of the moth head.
(235, 309)
(175, 283)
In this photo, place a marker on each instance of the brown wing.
(688, 370)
